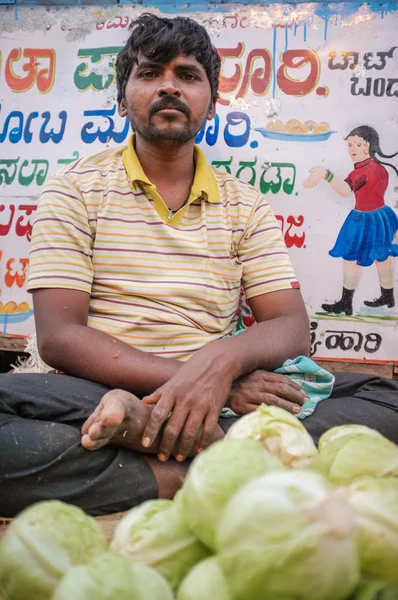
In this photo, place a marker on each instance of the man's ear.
(212, 111)
(121, 108)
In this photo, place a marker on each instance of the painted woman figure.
(369, 233)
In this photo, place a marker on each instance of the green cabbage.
(113, 577)
(341, 430)
(206, 581)
(280, 432)
(42, 544)
(356, 456)
(154, 534)
(213, 478)
(375, 502)
(375, 590)
(286, 535)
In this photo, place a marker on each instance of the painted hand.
(316, 175)
(262, 387)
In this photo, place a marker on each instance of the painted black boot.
(386, 299)
(341, 306)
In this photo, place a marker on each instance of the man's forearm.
(266, 345)
(92, 354)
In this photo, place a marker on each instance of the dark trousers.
(41, 457)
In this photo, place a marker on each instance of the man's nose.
(169, 87)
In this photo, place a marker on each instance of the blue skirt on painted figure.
(367, 236)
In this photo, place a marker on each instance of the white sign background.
(278, 64)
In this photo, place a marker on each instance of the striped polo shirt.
(164, 283)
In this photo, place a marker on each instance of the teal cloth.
(315, 381)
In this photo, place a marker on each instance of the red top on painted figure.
(369, 182)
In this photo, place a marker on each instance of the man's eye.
(148, 74)
(188, 76)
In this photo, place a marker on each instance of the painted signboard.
(308, 114)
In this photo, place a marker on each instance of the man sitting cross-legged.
(137, 259)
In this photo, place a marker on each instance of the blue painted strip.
(321, 8)
(274, 63)
(325, 33)
(286, 38)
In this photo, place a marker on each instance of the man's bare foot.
(120, 418)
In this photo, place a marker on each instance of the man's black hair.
(162, 39)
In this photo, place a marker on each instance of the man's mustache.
(169, 102)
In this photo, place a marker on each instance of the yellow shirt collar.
(204, 181)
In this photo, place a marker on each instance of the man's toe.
(113, 415)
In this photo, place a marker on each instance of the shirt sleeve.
(263, 253)
(356, 179)
(61, 247)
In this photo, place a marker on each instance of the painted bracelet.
(329, 176)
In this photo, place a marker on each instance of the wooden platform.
(385, 370)
(109, 523)
(12, 344)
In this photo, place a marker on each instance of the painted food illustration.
(296, 130)
(11, 308)
(296, 126)
(11, 312)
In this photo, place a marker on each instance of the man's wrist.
(229, 355)
(222, 358)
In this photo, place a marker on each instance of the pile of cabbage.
(262, 515)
